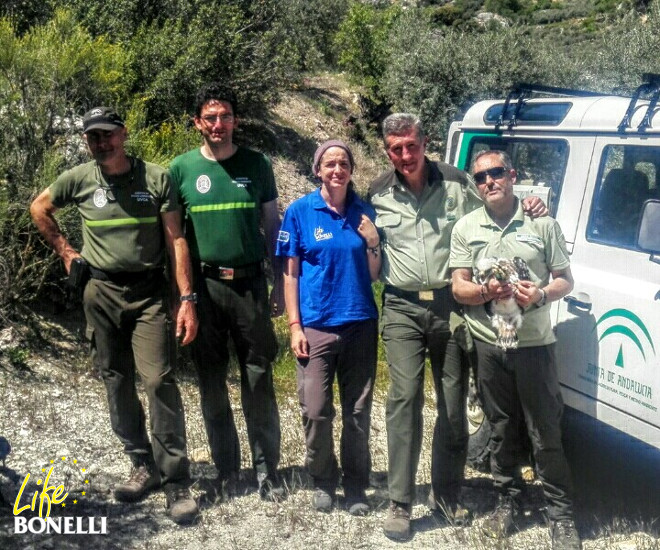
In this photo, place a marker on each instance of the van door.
(608, 328)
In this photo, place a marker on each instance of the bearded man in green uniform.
(228, 192)
(130, 223)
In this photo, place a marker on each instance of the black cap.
(101, 118)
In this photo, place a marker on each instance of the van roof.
(602, 114)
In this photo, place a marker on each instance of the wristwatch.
(189, 298)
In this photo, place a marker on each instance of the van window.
(539, 162)
(537, 114)
(626, 179)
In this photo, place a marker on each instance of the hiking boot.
(357, 503)
(500, 521)
(449, 510)
(270, 488)
(181, 506)
(223, 488)
(397, 522)
(322, 500)
(142, 480)
(564, 535)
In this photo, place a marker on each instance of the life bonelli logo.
(60, 485)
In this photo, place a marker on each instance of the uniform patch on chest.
(203, 184)
(141, 196)
(242, 182)
(534, 239)
(100, 198)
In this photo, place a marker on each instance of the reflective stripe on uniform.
(224, 206)
(121, 221)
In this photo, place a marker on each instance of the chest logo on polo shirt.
(100, 198)
(321, 235)
(533, 239)
(203, 184)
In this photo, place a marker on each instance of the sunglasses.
(495, 173)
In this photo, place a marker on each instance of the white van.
(595, 160)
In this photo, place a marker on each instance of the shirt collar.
(433, 174)
(518, 216)
(319, 204)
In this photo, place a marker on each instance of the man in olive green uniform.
(228, 192)
(417, 204)
(130, 221)
(523, 377)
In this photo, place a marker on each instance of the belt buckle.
(426, 295)
(226, 273)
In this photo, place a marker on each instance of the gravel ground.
(53, 408)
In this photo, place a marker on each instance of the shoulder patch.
(283, 237)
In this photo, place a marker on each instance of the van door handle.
(581, 300)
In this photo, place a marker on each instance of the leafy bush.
(307, 29)
(234, 42)
(361, 44)
(440, 74)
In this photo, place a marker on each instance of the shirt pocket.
(389, 227)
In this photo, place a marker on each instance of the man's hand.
(186, 322)
(277, 296)
(498, 291)
(534, 207)
(527, 293)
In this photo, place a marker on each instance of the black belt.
(220, 273)
(125, 278)
(418, 296)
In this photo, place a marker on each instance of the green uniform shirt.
(539, 242)
(222, 202)
(416, 233)
(121, 229)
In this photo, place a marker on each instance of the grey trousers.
(524, 381)
(409, 329)
(350, 352)
(128, 329)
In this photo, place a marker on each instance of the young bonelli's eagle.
(505, 315)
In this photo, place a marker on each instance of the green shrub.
(362, 45)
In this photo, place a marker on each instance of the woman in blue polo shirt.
(332, 252)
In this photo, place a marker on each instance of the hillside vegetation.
(147, 57)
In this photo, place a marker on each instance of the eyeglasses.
(495, 173)
(213, 119)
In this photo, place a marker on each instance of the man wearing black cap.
(130, 222)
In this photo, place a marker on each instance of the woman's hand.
(368, 232)
(299, 344)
